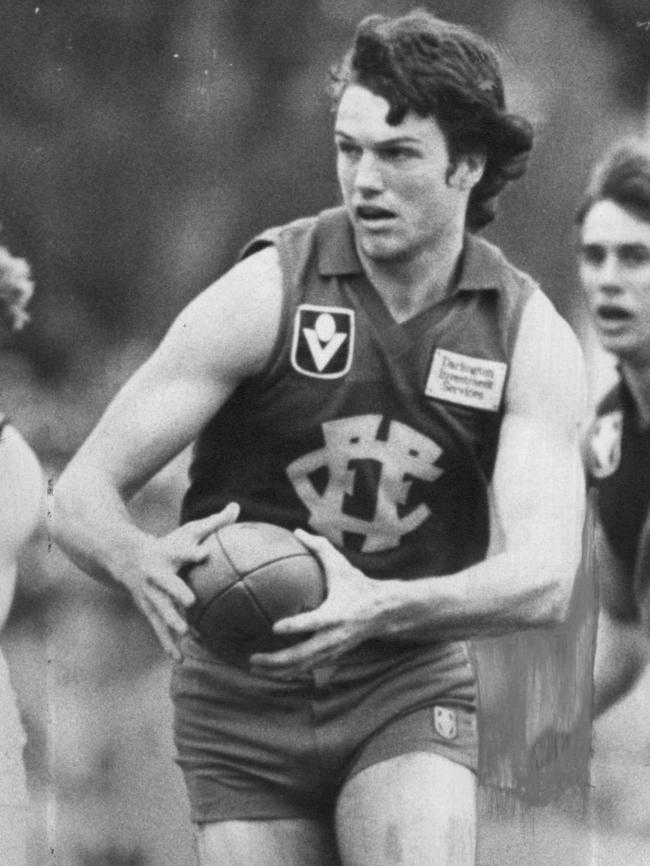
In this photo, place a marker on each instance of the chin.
(628, 348)
(379, 250)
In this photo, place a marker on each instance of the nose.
(608, 277)
(368, 177)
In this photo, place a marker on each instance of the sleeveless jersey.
(618, 466)
(380, 436)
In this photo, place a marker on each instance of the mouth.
(371, 214)
(612, 317)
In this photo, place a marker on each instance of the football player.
(385, 383)
(614, 253)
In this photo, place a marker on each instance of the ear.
(467, 171)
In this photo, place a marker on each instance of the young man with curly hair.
(614, 254)
(383, 382)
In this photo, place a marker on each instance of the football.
(255, 574)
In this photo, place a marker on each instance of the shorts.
(252, 748)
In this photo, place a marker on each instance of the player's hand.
(352, 612)
(153, 580)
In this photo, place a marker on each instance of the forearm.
(506, 592)
(90, 522)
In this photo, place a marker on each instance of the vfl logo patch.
(444, 721)
(604, 445)
(468, 381)
(323, 341)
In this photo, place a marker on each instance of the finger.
(328, 556)
(201, 529)
(167, 641)
(165, 609)
(301, 622)
(174, 587)
(300, 657)
(283, 675)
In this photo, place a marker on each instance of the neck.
(637, 377)
(408, 286)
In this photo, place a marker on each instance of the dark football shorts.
(252, 748)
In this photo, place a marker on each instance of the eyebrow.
(624, 245)
(400, 139)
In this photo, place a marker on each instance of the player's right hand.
(153, 580)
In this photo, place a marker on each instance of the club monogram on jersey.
(323, 341)
(365, 473)
(604, 448)
(465, 380)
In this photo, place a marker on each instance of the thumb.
(328, 556)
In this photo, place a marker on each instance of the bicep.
(538, 485)
(222, 337)
(153, 417)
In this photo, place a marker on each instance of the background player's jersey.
(617, 457)
(378, 435)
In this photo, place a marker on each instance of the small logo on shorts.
(444, 721)
(323, 341)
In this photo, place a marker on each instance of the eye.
(634, 255)
(396, 153)
(592, 254)
(348, 148)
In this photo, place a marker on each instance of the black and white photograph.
(325, 433)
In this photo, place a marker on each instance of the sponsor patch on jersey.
(465, 380)
(323, 341)
(444, 721)
(603, 453)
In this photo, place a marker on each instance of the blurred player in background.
(614, 224)
(384, 378)
(20, 496)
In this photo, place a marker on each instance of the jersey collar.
(481, 265)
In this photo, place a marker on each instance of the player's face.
(396, 180)
(615, 274)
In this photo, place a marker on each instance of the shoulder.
(272, 237)
(487, 264)
(20, 488)
(236, 319)
(547, 374)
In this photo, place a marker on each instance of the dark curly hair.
(420, 63)
(621, 176)
(16, 289)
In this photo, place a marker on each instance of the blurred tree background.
(142, 142)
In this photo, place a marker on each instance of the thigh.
(418, 808)
(301, 842)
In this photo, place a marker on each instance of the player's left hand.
(352, 613)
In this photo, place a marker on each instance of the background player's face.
(615, 274)
(395, 180)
